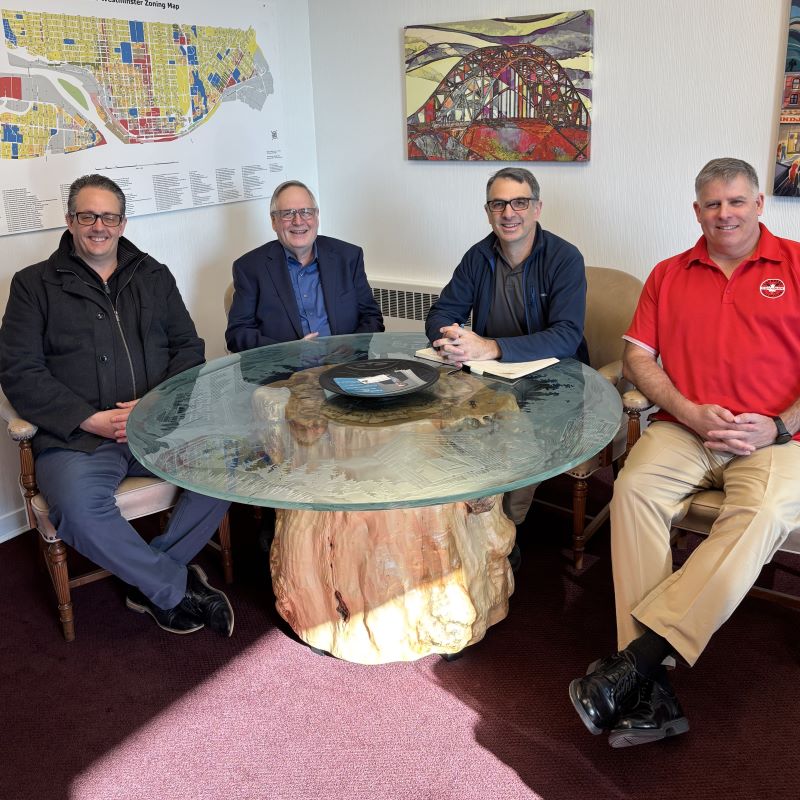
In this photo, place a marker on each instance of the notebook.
(504, 370)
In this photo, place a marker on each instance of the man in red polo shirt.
(724, 319)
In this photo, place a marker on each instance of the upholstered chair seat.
(136, 497)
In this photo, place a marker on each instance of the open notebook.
(505, 370)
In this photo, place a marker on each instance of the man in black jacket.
(85, 334)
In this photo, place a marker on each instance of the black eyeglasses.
(287, 214)
(89, 218)
(517, 203)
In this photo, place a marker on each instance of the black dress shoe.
(207, 603)
(177, 619)
(601, 696)
(656, 715)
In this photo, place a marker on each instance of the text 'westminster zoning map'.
(181, 114)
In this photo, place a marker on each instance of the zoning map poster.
(175, 101)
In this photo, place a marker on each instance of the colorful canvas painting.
(787, 164)
(516, 89)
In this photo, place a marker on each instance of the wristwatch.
(783, 435)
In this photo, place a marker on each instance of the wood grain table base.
(396, 585)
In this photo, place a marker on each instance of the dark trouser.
(79, 488)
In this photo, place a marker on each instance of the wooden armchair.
(705, 506)
(136, 497)
(611, 299)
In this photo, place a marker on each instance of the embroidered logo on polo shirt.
(772, 288)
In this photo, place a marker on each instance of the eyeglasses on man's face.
(89, 218)
(517, 203)
(288, 214)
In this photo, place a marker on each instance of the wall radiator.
(405, 305)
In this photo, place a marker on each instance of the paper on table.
(508, 370)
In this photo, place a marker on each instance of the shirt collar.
(291, 260)
(497, 250)
(767, 249)
(127, 252)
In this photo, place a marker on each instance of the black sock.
(649, 650)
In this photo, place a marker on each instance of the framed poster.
(516, 89)
(787, 159)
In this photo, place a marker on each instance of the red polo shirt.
(732, 342)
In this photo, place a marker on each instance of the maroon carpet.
(127, 711)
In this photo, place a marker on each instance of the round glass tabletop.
(257, 427)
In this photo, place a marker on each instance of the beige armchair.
(611, 299)
(136, 497)
(705, 506)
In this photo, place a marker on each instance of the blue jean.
(79, 488)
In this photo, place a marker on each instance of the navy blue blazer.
(264, 309)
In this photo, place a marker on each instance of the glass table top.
(257, 427)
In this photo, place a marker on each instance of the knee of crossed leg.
(84, 512)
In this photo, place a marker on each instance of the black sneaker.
(177, 619)
(209, 604)
(601, 696)
(656, 715)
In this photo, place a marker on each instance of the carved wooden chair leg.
(225, 548)
(43, 565)
(634, 432)
(57, 566)
(580, 489)
(681, 538)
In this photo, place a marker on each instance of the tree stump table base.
(393, 585)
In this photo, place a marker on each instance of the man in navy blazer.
(300, 286)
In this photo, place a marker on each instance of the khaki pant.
(761, 507)
(517, 502)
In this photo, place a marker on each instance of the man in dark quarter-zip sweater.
(525, 289)
(85, 334)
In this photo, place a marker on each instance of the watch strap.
(783, 434)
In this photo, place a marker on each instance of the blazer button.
(102, 359)
(100, 315)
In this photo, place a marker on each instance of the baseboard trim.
(13, 524)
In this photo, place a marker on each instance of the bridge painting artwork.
(515, 89)
(787, 162)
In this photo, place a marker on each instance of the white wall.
(198, 245)
(675, 85)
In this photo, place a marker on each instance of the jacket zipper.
(107, 294)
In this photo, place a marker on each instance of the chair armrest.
(633, 403)
(634, 400)
(18, 429)
(612, 372)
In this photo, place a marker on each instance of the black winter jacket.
(56, 354)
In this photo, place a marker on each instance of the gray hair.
(725, 169)
(518, 174)
(98, 182)
(273, 203)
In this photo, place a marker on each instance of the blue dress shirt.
(308, 293)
